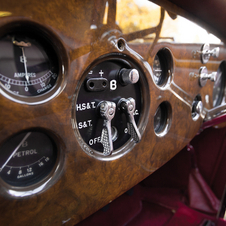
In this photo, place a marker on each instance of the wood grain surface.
(85, 183)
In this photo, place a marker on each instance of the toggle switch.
(107, 112)
(206, 53)
(204, 76)
(128, 107)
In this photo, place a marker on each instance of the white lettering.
(113, 84)
(85, 124)
(24, 153)
(136, 112)
(23, 59)
(7, 86)
(85, 106)
(25, 175)
(44, 88)
(54, 76)
(94, 141)
(20, 75)
(43, 84)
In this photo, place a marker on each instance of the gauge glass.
(162, 118)
(158, 119)
(27, 67)
(27, 158)
(157, 70)
(219, 86)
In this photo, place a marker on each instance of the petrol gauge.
(28, 65)
(27, 158)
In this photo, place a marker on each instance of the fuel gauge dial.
(27, 158)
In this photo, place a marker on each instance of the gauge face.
(27, 67)
(219, 85)
(88, 117)
(157, 70)
(162, 118)
(27, 158)
(162, 67)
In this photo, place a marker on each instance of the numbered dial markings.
(27, 158)
(27, 67)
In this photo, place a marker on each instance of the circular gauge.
(89, 121)
(162, 67)
(27, 158)
(219, 85)
(28, 65)
(162, 119)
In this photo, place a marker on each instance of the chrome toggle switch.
(107, 112)
(206, 53)
(128, 106)
(204, 76)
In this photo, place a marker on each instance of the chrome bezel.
(42, 185)
(59, 51)
(166, 59)
(127, 147)
(165, 120)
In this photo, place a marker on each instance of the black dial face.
(27, 67)
(107, 87)
(27, 158)
(219, 85)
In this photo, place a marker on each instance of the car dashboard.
(94, 99)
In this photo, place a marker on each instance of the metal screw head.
(134, 76)
(111, 111)
(130, 107)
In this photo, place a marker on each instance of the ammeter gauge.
(28, 65)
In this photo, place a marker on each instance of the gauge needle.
(23, 44)
(25, 65)
(15, 150)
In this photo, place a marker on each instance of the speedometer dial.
(27, 68)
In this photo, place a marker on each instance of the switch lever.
(128, 106)
(107, 112)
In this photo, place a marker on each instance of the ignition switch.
(108, 108)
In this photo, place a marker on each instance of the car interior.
(113, 113)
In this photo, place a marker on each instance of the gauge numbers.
(27, 158)
(27, 67)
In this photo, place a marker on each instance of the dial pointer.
(15, 150)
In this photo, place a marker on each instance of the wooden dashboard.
(79, 184)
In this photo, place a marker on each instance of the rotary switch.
(108, 108)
